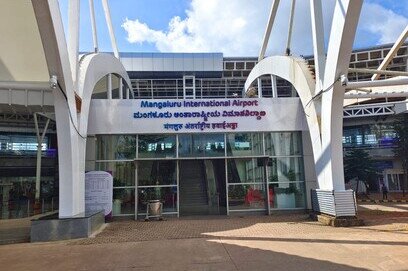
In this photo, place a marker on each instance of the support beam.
(376, 95)
(379, 72)
(71, 186)
(73, 37)
(40, 139)
(291, 18)
(110, 28)
(93, 24)
(20, 85)
(271, 20)
(393, 51)
(318, 41)
(377, 83)
(344, 25)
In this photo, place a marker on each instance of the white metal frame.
(188, 88)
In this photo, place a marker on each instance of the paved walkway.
(394, 197)
(281, 242)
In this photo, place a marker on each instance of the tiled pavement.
(201, 227)
(294, 225)
(277, 242)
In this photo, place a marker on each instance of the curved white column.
(296, 72)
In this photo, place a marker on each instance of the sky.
(232, 27)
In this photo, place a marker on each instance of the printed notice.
(98, 191)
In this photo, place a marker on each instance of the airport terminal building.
(189, 136)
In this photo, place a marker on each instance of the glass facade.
(209, 173)
(116, 147)
(201, 145)
(369, 136)
(156, 146)
(18, 159)
(244, 144)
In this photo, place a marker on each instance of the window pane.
(123, 201)
(246, 170)
(287, 195)
(157, 172)
(286, 169)
(167, 195)
(241, 197)
(157, 146)
(285, 143)
(115, 147)
(244, 144)
(206, 145)
(123, 172)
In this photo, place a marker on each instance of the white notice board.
(98, 191)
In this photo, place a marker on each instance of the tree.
(401, 146)
(358, 164)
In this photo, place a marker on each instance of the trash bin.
(154, 209)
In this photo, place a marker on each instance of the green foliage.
(401, 150)
(126, 146)
(151, 194)
(358, 164)
(237, 191)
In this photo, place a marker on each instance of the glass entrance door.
(157, 180)
(202, 187)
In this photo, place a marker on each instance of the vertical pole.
(267, 184)
(226, 185)
(38, 164)
(178, 186)
(136, 188)
(40, 139)
(110, 28)
(109, 83)
(93, 24)
(151, 88)
(318, 41)
(225, 144)
(259, 87)
(120, 88)
(225, 88)
(272, 15)
(291, 17)
(137, 178)
(73, 37)
(274, 87)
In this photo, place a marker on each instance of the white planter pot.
(285, 201)
(116, 207)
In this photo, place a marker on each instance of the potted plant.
(153, 200)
